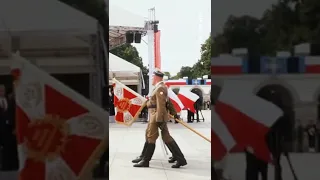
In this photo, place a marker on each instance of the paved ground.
(306, 166)
(126, 143)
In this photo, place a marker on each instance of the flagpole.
(190, 128)
(137, 114)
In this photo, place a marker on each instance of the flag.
(221, 139)
(188, 99)
(248, 118)
(60, 133)
(128, 103)
(178, 105)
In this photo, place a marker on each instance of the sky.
(222, 9)
(184, 26)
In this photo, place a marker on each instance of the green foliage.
(167, 74)
(282, 26)
(131, 54)
(128, 53)
(202, 66)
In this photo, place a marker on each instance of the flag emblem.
(60, 134)
(128, 104)
(124, 105)
(46, 138)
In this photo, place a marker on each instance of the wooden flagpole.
(137, 114)
(190, 128)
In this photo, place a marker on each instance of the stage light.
(129, 37)
(137, 37)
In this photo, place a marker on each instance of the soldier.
(158, 117)
(190, 117)
(255, 166)
(173, 112)
(280, 136)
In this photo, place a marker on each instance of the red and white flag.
(221, 139)
(247, 118)
(178, 105)
(60, 133)
(188, 99)
(128, 103)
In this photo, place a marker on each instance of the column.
(96, 75)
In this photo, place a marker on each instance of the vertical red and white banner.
(150, 56)
(157, 54)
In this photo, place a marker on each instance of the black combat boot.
(147, 157)
(177, 154)
(171, 159)
(139, 158)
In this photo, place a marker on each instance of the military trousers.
(152, 132)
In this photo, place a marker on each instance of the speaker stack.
(132, 37)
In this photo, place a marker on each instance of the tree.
(185, 71)
(167, 74)
(203, 66)
(282, 26)
(128, 53)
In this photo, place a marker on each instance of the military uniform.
(280, 136)
(158, 116)
(171, 111)
(254, 166)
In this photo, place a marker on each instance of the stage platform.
(126, 143)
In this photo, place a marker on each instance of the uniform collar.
(158, 84)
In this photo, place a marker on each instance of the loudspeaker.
(137, 37)
(129, 37)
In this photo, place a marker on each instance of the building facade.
(297, 79)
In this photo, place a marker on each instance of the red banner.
(157, 56)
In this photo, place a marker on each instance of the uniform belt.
(152, 106)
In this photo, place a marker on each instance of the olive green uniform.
(158, 110)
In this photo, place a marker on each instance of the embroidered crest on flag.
(60, 133)
(128, 103)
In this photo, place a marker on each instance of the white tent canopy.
(119, 67)
(43, 17)
(122, 21)
(121, 17)
(124, 71)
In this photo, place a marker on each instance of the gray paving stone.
(126, 143)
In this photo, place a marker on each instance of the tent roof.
(122, 21)
(121, 67)
(122, 17)
(43, 17)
